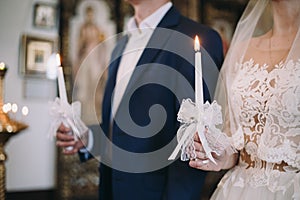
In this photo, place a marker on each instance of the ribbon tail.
(190, 130)
(53, 128)
(204, 143)
(74, 128)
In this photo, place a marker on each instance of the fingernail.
(205, 161)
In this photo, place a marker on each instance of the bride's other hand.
(224, 161)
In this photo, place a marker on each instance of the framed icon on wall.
(35, 52)
(45, 15)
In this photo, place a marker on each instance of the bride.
(259, 88)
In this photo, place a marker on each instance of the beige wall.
(31, 155)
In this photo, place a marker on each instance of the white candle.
(198, 74)
(61, 82)
(63, 93)
(199, 100)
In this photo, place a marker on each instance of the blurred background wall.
(31, 163)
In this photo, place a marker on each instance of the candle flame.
(2, 66)
(58, 59)
(14, 108)
(197, 44)
(5, 108)
(25, 110)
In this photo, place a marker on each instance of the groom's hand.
(66, 139)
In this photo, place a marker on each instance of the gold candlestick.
(8, 128)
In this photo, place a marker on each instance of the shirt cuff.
(90, 143)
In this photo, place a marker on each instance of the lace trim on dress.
(267, 104)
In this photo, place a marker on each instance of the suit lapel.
(158, 41)
(115, 62)
(111, 82)
(116, 56)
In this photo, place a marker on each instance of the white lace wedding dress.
(266, 104)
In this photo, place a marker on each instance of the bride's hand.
(223, 161)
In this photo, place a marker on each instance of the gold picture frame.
(45, 15)
(35, 52)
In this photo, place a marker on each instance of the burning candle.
(62, 92)
(198, 74)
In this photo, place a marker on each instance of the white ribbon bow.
(69, 115)
(212, 139)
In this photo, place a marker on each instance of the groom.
(151, 71)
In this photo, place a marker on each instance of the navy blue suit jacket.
(146, 120)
